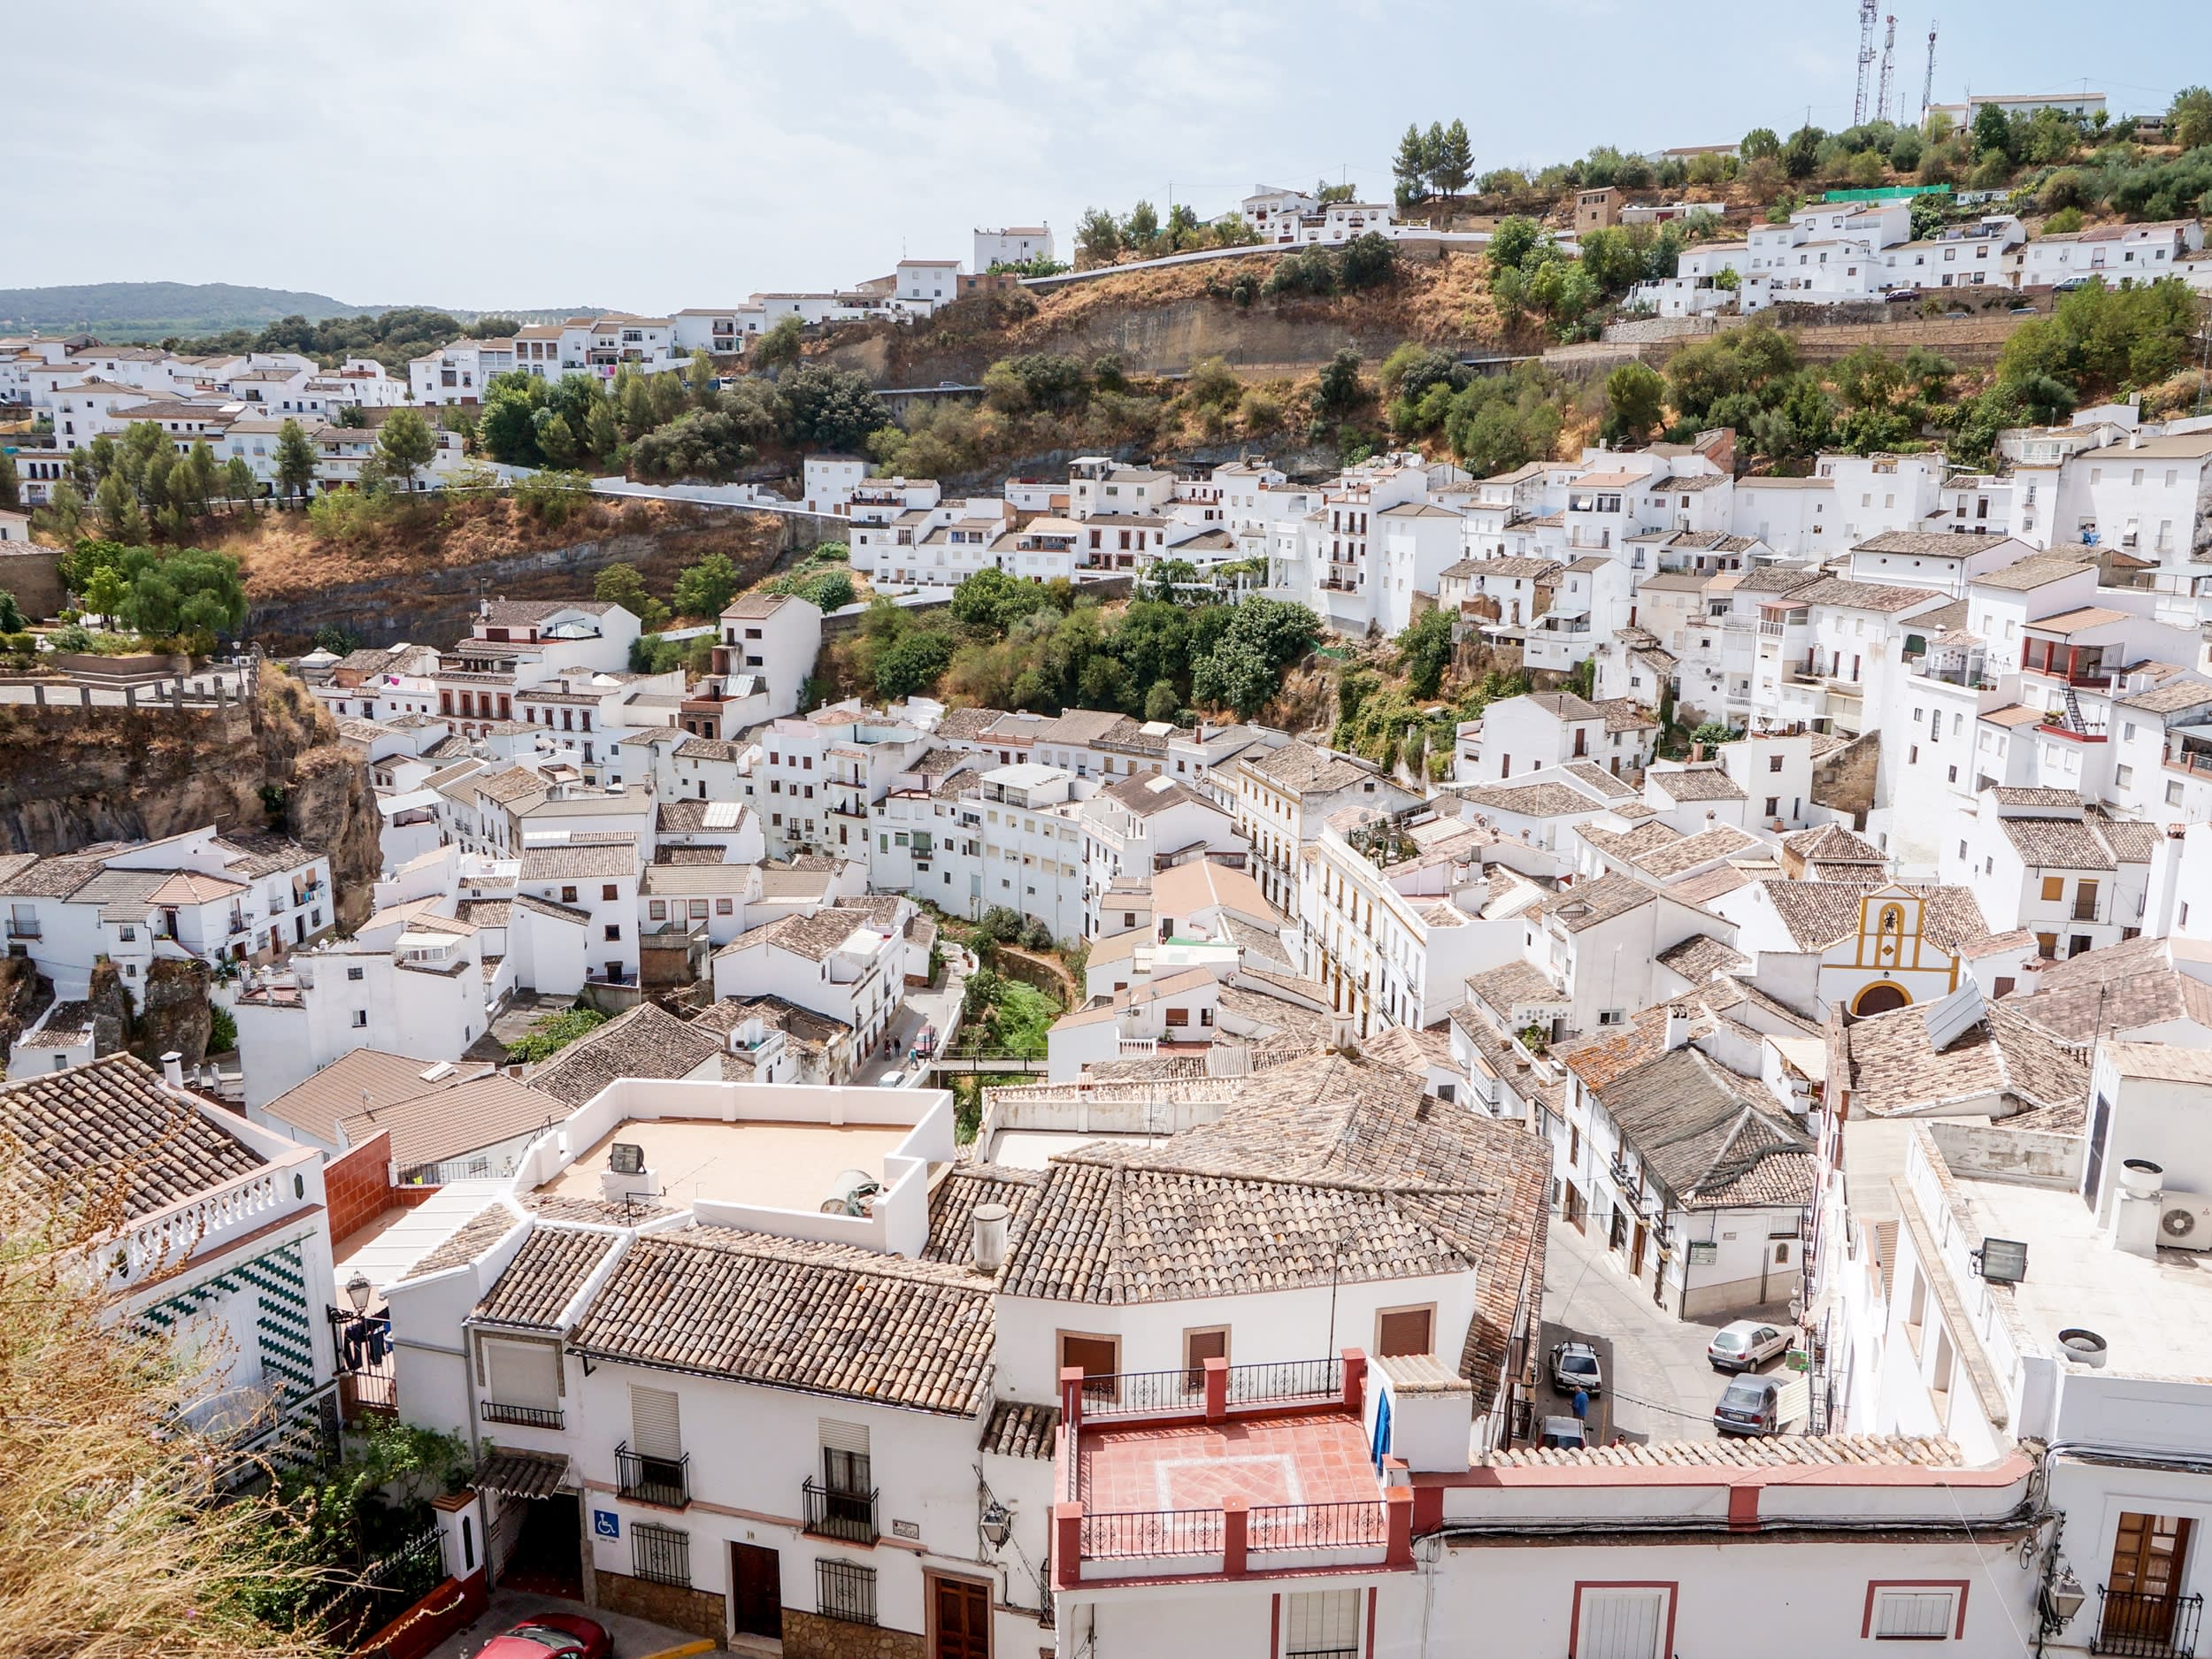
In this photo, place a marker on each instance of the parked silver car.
(1745, 1344)
(1752, 1405)
(1564, 1434)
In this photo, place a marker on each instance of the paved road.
(633, 1638)
(940, 1008)
(1658, 1386)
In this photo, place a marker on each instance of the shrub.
(547, 1036)
(1037, 936)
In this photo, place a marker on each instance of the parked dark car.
(1564, 1434)
(1753, 1405)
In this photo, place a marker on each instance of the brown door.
(1636, 1252)
(2149, 1554)
(960, 1618)
(1098, 1357)
(756, 1591)
(1198, 1348)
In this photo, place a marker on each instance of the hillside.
(151, 310)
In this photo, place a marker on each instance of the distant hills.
(151, 310)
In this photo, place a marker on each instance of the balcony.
(520, 1417)
(1218, 1471)
(2143, 1626)
(665, 1481)
(833, 1512)
(24, 930)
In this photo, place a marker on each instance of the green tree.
(705, 589)
(1411, 167)
(239, 483)
(779, 348)
(1634, 400)
(1424, 652)
(1454, 164)
(1143, 225)
(10, 484)
(1367, 260)
(2189, 119)
(1800, 156)
(405, 444)
(1097, 238)
(1992, 130)
(294, 460)
(1340, 388)
(912, 665)
(624, 584)
(117, 505)
(1759, 144)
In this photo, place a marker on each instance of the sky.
(657, 154)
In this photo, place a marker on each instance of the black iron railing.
(1137, 1534)
(845, 1590)
(2145, 1626)
(660, 1555)
(836, 1512)
(1289, 1379)
(521, 1416)
(1316, 1526)
(367, 1380)
(663, 1480)
(1161, 1393)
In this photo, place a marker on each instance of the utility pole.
(1869, 13)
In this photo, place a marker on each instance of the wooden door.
(1198, 1348)
(1636, 1251)
(2149, 1553)
(755, 1591)
(1099, 1358)
(960, 1618)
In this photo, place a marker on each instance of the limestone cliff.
(71, 777)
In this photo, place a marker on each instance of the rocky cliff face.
(175, 1015)
(71, 777)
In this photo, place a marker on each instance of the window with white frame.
(1321, 1624)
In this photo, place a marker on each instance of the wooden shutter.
(1622, 1623)
(654, 1429)
(1886, 1253)
(1403, 1332)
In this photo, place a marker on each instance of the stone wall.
(1845, 780)
(701, 1612)
(810, 1636)
(29, 573)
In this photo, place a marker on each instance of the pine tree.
(1410, 168)
(1454, 163)
(294, 460)
(1432, 156)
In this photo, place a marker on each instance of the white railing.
(1135, 1046)
(168, 1240)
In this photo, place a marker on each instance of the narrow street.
(1658, 1386)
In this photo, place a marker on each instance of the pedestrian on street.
(1581, 1404)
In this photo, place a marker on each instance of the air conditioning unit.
(2185, 1221)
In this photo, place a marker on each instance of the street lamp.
(358, 1290)
(998, 1524)
(2062, 1600)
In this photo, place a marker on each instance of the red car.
(551, 1636)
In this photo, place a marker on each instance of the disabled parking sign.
(605, 1523)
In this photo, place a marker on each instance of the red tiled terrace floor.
(1319, 1457)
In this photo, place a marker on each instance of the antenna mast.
(1869, 13)
(1927, 84)
(1889, 51)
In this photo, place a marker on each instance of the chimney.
(173, 1069)
(1678, 1029)
(1339, 1031)
(2135, 1213)
(990, 1237)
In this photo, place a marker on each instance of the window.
(2054, 889)
(1915, 1611)
(526, 1374)
(656, 910)
(354, 973)
(1097, 1357)
(1405, 1330)
(1178, 1016)
(568, 895)
(607, 891)
(614, 930)
(660, 1555)
(1612, 1016)
(844, 1591)
(360, 1017)
(1623, 1621)
(1318, 1622)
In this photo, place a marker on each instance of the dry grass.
(278, 554)
(111, 1546)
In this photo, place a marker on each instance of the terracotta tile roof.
(2120, 987)
(1722, 841)
(2133, 840)
(1715, 1140)
(592, 861)
(562, 1207)
(259, 853)
(1757, 1452)
(818, 1318)
(1630, 845)
(2172, 698)
(1698, 957)
(1895, 1069)
(1535, 799)
(1515, 985)
(463, 1113)
(1833, 844)
(474, 1237)
(1301, 769)
(111, 1120)
(954, 1201)
(519, 1474)
(1704, 782)
(2057, 843)
(1304, 1156)
(54, 878)
(648, 1041)
(816, 937)
(1587, 903)
(545, 1276)
(1017, 1430)
(2025, 574)
(1600, 781)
